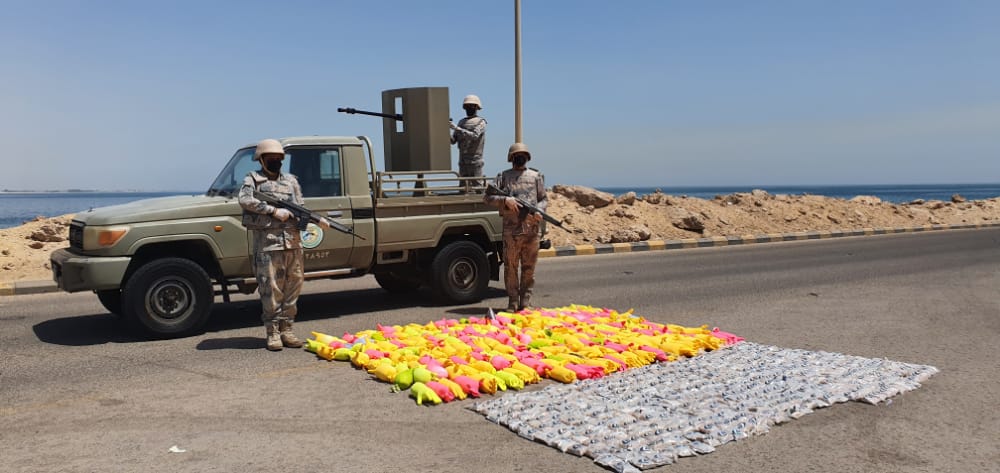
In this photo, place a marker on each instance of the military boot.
(273, 336)
(512, 304)
(288, 337)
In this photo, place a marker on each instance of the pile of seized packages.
(452, 359)
(721, 389)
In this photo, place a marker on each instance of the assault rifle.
(302, 214)
(351, 111)
(526, 207)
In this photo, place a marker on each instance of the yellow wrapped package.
(483, 366)
(360, 359)
(607, 365)
(501, 384)
(487, 384)
(384, 372)
(562, 374)
(374, 363)
(323, 338)
(510, 380)
(525, 372)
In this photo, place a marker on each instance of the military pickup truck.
(160, 263)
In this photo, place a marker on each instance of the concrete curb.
(17, 288)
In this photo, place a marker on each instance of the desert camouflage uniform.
(276, 245)
(520, 234)
(471, 138)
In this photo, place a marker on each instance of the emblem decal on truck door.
(312, 236)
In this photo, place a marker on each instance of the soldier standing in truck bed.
(470, 134)
(520, 228)
(276, 243)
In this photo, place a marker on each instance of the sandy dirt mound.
(658, 216)
(604, 218)
(24, 250)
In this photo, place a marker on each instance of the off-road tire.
(168, 297)
(111, 299)
(460, 273)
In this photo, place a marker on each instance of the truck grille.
(76, 235)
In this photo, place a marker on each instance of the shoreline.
(42, 286)
(600, 219)
(96, 191)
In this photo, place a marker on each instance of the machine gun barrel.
(302, 214)
(494, 190)
(348, 110)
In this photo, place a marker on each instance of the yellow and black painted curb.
(16, 288)
(652, 245)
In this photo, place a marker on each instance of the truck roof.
(316, 140)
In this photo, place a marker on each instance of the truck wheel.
(168, 297)
(395, 282)
(112, 300)
(460, 273)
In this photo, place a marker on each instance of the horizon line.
(686, 186)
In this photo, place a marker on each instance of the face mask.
(520, 160)
(273, 166)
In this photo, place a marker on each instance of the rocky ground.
(24, 250)
(599, 217)
(604, 218)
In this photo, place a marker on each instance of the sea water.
(19, 207)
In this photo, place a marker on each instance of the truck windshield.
(317, 169)
(231, 178)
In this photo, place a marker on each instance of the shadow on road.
(98, 329)
(474, 311)
(232, 343)
(85, 330)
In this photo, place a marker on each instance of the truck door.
(318, 171)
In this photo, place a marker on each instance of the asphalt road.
(78, 392)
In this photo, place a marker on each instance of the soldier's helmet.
(266, 147)
(517, 148)
(474, 100)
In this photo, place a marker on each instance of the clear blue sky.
(157, 95)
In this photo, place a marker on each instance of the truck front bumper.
(74, 273)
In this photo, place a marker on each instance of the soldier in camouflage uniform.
(276, 243)
(520, 228)
(470, 134)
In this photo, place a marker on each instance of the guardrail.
(426, 183)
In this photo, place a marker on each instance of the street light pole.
(518, 135)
